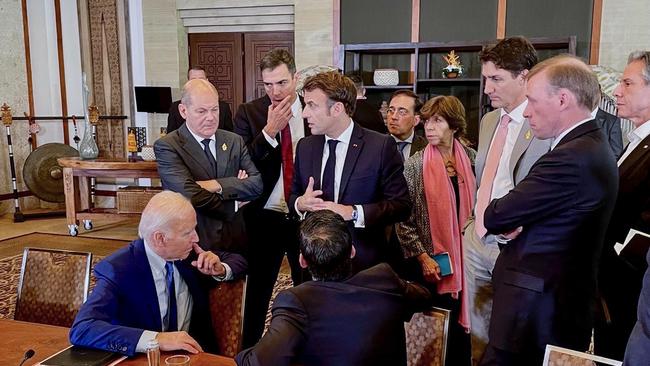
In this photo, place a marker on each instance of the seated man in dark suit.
(174, 118)
(130, 304)
(337, 319)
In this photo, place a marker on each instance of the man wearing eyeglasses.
(403, 116)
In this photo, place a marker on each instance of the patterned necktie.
(401, 145)
(208, 154)
(489, 172)
(171, 318)
(287, 161)
(327, 185)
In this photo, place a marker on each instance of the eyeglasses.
(402, 112)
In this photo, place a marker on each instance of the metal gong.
(42, 173)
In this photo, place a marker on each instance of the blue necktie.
(401, 145)
(327, 185)
(171, 318)
(208, 154)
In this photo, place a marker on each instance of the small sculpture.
(453, 69)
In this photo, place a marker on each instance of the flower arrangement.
(453, 69)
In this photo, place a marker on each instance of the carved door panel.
(220, 54)
(256, 45)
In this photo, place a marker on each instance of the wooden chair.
(426, 338)
(227, 310)
(53, 285)
(558, 356)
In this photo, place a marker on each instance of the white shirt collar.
(559, 138)
(639, 133)
(594, 113)
(296, 107)
(517, 114)
(345, 136)
(156, 262)
(408, 139)
(197, 137)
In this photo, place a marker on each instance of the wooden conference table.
(76, 176)
(46, 340)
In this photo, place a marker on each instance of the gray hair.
(163, 208)
(643, 56)
(192, 87)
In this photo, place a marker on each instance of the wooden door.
(220, 54)
(256, 45)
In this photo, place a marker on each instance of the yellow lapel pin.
(528, 135)
(224, 147)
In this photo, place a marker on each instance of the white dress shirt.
(406, 153)
(184, 300)
(276, 201)
(635, 136)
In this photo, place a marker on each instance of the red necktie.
(287, 161)
(489, 172)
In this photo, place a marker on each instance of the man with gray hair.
(621, 276)
(209, 166)
(553, 222)
(156, 287)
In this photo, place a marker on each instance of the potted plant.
(453, 69)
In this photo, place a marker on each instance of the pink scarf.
(444, 219)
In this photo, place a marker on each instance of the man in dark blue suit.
(130, 304)
(554, 219)
(348, 169)
(338, 319)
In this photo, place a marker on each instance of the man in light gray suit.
(210, 167)
(507, 149)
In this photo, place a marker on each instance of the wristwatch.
(355, 214)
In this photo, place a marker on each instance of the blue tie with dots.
(171, 318)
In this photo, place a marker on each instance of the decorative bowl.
(386, 77)
(147, 153)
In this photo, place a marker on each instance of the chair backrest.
(426, 338)
(227, 301)
(53, 285)
(558, 356)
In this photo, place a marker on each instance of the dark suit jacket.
(359, 321)
(418, 144)
(367, 115)
(619, 282)
(249, 122)
(182, 162)
(124, 302)
(545, 279)
(611, 126)
(372, 177)
(636, 352)
(175, 120)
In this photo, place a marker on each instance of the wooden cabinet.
(420, 69)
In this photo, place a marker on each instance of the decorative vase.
(88, 147)
(385, 77)
(147, 153)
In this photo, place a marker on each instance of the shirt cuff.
(272, 141)
(226, 276)
(361, 218)
(145, 338)
(301, 214)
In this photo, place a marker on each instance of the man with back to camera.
(130, 304)
(339, 318)
(209, 166)
(507, 149)
(553, 222)
(271, 127)
(365, 113)
(174, 118)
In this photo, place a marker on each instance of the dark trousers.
(497, 357)
(271, 235)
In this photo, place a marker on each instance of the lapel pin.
(645, 146)
(528, 135)
(224, 147)
(354, 145)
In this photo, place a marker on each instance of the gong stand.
(7, 119)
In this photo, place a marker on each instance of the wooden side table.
(76, 175)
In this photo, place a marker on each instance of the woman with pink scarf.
(442, 188)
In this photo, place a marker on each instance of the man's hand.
(344, 210)
(174, 341)
(430, 268)
(506, 237)
(207, 262)
(242, 174)
(278, 116)
(310, 200)
(211, 185)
